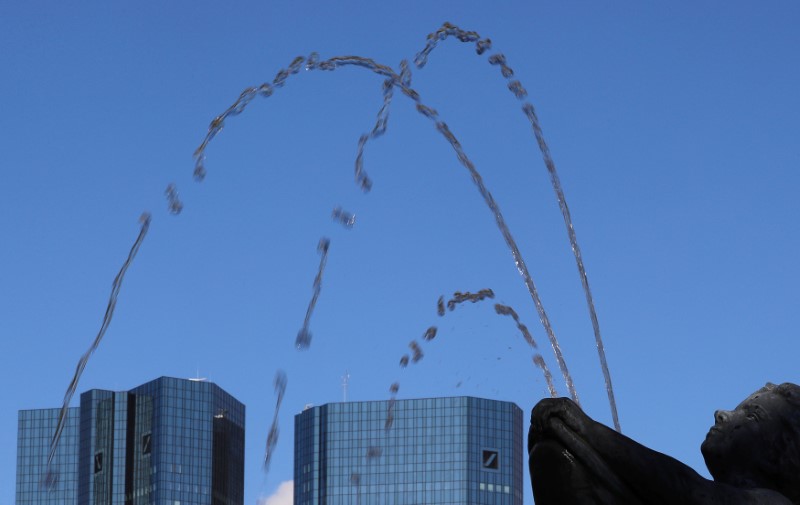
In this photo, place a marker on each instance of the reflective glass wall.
(460, 450)
(167, 442)
(35, 429)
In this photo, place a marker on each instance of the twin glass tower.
(166, 442)
(181, 442)
(437, 451)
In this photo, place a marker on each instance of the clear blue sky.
(674, 129)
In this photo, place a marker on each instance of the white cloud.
(284, 495)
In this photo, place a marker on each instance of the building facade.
(166, 442)
(460, 450)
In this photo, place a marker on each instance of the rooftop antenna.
(345, 383)
(197, 377)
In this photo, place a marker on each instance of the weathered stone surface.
(753, 453)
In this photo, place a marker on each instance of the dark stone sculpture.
(753, 453)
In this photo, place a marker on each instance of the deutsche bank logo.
(491, 459)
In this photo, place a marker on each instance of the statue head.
(758, 443)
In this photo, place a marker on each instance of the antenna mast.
(345, 383)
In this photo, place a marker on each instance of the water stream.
(402, 81)
(515, 86)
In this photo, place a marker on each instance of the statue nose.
(721, 416)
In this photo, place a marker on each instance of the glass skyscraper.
(439, 451)
(166, 442)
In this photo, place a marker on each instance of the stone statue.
(753, 453)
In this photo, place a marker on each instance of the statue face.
(744, 439)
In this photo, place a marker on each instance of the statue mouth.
(578, 448)
(714, 431)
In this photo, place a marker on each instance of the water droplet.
(265, 90)
(280, 78)
(482, 46)
(427, 111)
(394, 388)
(199, 168)
(468, 36)
(245, 98)
(529, 111)
(296, 64)
(430, 333)
(313, 61)
(174, 203)
(280, 383)
(416, 351)
(216, 123)
(50, 479)
(517, 89)
(505, 310)
(411, 94)
(404, 361)
(389, 414)
(497, 59)
(345, 218)
(506, 71)
(380, 127)
(272, 442)
(365, 183)
(405, 73)
(440, 306)
(303, 340)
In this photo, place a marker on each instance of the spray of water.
(344, 218)
(403, 83)
(272, 437)
(430, 334)
(459, 297)
(573, 239)
(355, 480)
(515, 86)
(505, 310)
(393, 389)
(303, 340)
(112, 303)
(518, 260)
(440, 306)
(383, 70)
(382, 121)
(174, 204)
(373, 453)
(416, 351)
(538, 360)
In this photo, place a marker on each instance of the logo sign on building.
(490, 459)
